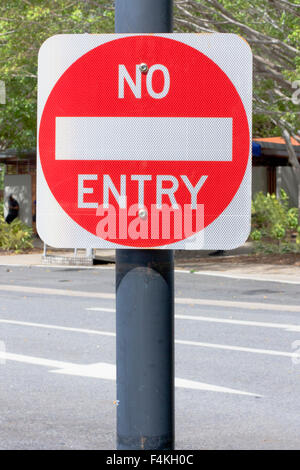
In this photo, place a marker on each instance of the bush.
(16, 236)
(275, 227)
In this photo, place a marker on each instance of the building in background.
(271, 168)
(20, 181)
(271, 171)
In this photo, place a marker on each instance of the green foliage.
(256, 235)
(272, 29)
(16, 236)
(275, 226)
(24, 26)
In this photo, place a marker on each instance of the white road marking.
(238, 304)
(177, 341)
(270, 352)
(56, 327)
(99, 370)
(245, 277)
(282, 326)
(178, 300)
(103, 370)
(37, 361)
(51, 291)
(102, 309)
(191, 384)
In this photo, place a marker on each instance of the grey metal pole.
(145, 303)
(144, 16)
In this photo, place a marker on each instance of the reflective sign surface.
(144, 141)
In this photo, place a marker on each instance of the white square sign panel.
(144, 141)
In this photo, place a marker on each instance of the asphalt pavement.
(237, 360)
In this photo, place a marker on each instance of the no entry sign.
(144, 141)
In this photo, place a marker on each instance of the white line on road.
(177, 341)
(37, 361)
(182, 271)
(178, 300)
(282, 326)
(269, 352)
(237, 304)
(103, 370)
(51, 291)
(56, 327)
(246, 277)
(102, 309)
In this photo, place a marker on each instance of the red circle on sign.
(198, 88)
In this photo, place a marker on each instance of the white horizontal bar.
(143, 138)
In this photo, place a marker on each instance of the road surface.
(237, 360)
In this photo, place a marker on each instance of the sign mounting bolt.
(144, 68)
(143, 214)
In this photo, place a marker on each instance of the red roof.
(276, 140)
